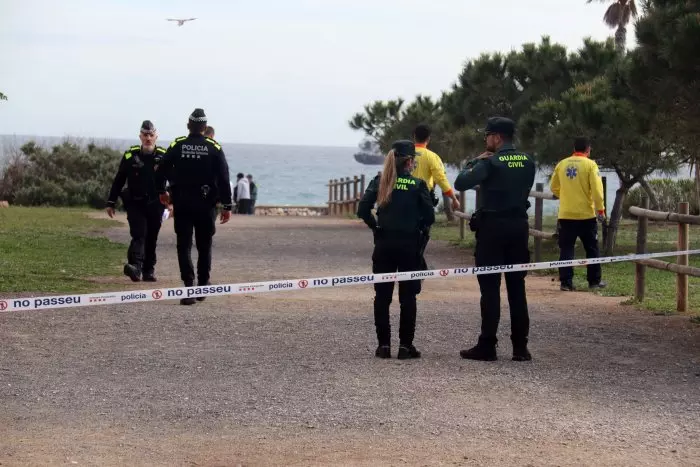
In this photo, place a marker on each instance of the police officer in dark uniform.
(404, 213)
(505, 176)
(198, 174)
(143, 208)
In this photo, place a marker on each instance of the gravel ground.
(289, 378)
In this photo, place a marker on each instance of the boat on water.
(369, 154)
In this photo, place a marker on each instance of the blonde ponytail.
(388, 180)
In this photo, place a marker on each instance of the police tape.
(159, 295)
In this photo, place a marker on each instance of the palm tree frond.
(633, 7)
(613, 15)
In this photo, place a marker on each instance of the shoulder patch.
(160, 150)
(180, 138)
(134, 148)
(127, 155)
(216, 145)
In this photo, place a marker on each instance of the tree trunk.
(621, 39)
(653, 200)
(697, 182)
(615, 216)
(448, 208)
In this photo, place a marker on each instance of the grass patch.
(660, 295)
(54, 250)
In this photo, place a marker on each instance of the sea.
(290, 175)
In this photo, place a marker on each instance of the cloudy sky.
(265, 71)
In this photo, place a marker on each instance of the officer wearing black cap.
(198, 174)
(505, 177)
(404, 210)
(143, 209)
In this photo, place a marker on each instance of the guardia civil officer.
(198, 174)
(143, 209)
(404, 211)
(505, 176)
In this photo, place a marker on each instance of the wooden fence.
(681, 268)
(344, 195)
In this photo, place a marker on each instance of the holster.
(475, 221)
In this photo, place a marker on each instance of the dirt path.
(290, 379)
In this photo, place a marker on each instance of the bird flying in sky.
(180, 22)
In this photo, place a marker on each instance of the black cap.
(403, 148)
(500, 126)
(198, 116)
(148, 127)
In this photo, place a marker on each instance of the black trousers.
(243, 206)
(502, 241)
(392, 254)
(203, 222)
(251, 210)
(144, 220)
(587, 230)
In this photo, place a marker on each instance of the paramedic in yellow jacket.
(429, 166)
(577, 183)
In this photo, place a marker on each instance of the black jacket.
(409, 211)
(505, 180)
(198, 173)
(138, 171)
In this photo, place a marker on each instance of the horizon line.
(112, 138)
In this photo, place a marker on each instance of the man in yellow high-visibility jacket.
(576, 182)
(429, 167)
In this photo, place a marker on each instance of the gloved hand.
(601, 216)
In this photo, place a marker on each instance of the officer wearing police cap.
(143, 209)
(505, 177)
(196, 168)
(404, 211)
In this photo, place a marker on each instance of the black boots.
(407, 352)
(484, 350)
(149, 276)
(520, 352)
(132, 272)
(383, 351)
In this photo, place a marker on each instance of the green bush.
(66, 175)
(668, 193)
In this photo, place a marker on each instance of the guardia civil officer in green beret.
(144, 210)
(404, 212)
(505, 177)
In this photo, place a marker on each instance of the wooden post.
(355, 195)
(640, 269)
(335, 196)
(350, 201)
(683, 244)
(462, 222)
(362, 185)
(539, 209)
(342, 196)
(605, 206)
(330, 195)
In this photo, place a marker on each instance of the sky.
(268, 72)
